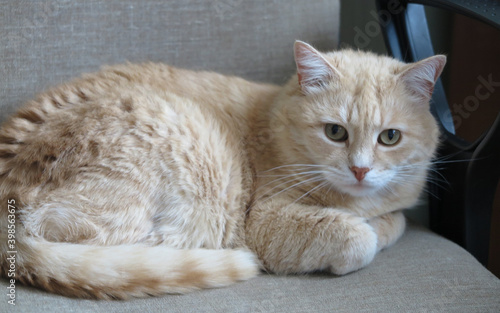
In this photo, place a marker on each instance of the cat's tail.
(124, 271)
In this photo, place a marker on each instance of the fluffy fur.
(146, 179)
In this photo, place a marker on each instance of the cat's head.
(362, 120)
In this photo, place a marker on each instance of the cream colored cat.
(145, 179)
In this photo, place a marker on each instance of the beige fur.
(145, 179)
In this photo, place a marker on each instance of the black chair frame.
(461, 210)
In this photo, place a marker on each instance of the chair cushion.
(422, 272)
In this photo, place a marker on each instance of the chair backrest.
(43, 43)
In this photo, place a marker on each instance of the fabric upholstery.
(43, 43)
(422, 272)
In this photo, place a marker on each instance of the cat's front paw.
(389, 228)
(358, 246)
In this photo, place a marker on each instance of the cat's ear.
(420, 77)
(313, 70)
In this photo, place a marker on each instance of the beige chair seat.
(422, 272)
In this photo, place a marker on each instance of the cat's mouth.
(359, 189)
(353, 187)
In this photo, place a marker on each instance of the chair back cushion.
(44, 43)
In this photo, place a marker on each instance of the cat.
(144, 179)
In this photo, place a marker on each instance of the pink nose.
(359, 172)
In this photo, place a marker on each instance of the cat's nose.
(359, 172)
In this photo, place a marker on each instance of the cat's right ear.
(313, 70)
(420, 77)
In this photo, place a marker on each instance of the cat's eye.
(336, 132)
(389, 137)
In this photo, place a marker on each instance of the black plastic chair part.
(461, 210)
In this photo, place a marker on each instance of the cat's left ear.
(420, 77)
(313, 70)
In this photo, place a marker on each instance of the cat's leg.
(389, 228)
(89, 214)
(296, 238)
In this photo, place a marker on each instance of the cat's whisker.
(388, 188)
(294, 166)
(329, 188)
(426, 190)
(310, 180)
(437, 178)
(289, 187)
(285, 176)
(445, 158)
(402, 179)
(415, 166)
(438, 181)
(308, 193)
(288, 175)
(296, 175)
(405, 180)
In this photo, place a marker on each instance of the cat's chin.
(359, 189)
